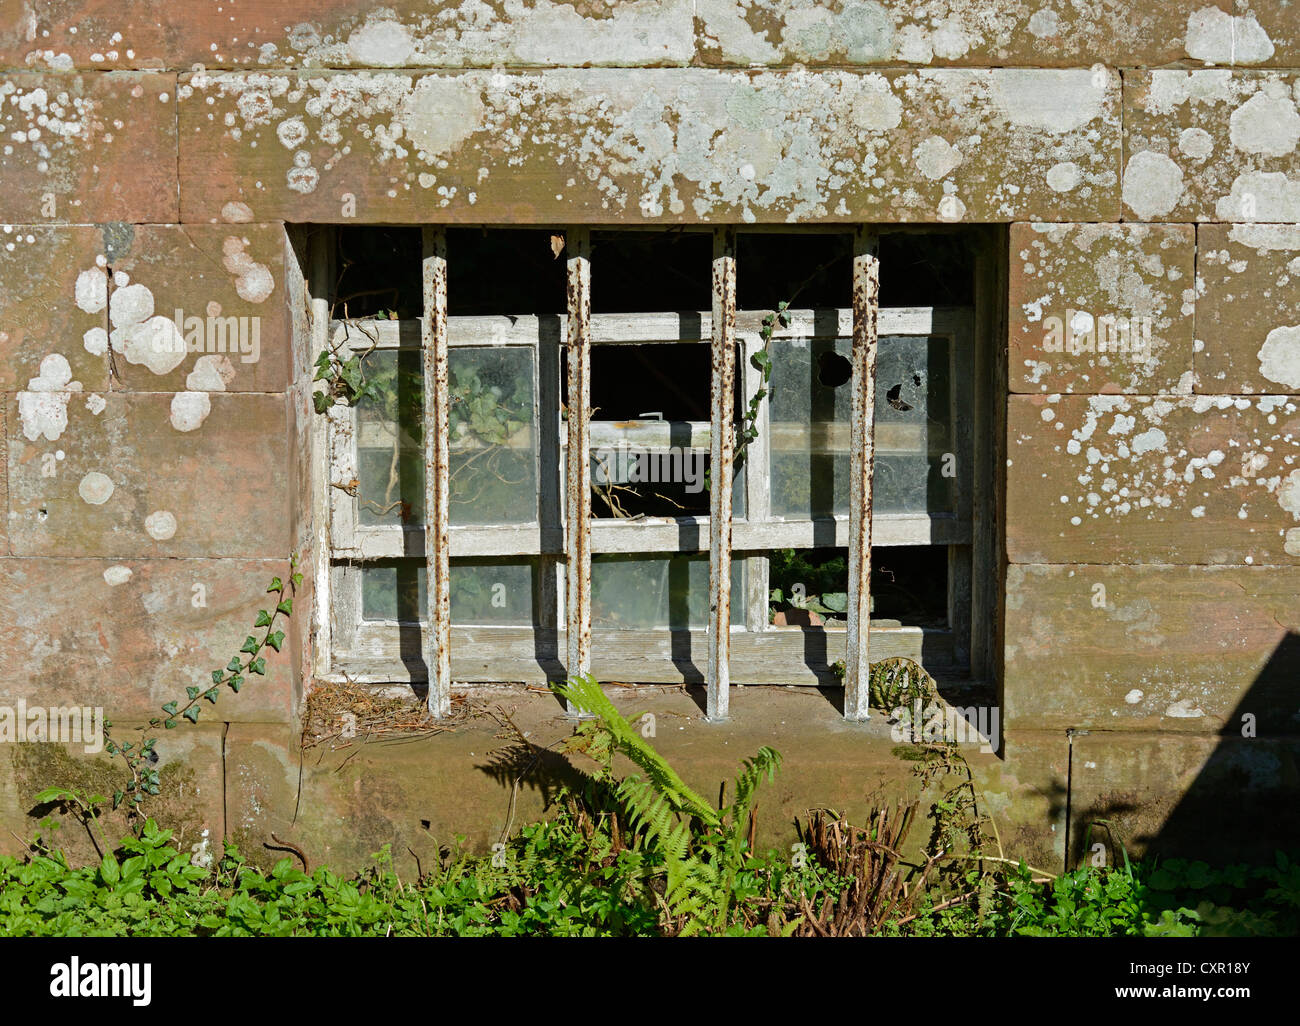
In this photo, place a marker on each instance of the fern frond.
(586, 694)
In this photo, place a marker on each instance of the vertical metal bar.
(577, 538)
(721, 451)
(437, 541)
(866, 303)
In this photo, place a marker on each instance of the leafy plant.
(702, 849)
(141, 756)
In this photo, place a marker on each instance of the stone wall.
(154, 159)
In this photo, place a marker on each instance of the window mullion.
(721, 450)
(866, 303)
(577, 540)
(437, 444)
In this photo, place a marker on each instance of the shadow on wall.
(1230, 797)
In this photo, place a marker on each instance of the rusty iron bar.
(437, 439)
(866, 308)
(577, 477)
(722, 446)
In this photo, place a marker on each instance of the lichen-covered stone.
(1101, 308)
(131, 634)
(53, 300)
(1211, 145)
(155, 474)
(190, 801)
(1179, 649)
(88, 148)
(222, 291)
(1140, 479)
(1248, 313)
(1223, 800)
(96, 34)
(652, 146)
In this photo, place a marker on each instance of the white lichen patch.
(91, 290)
(1217, 37)
(115, 575)
(43, 407)
(160, 525)
(1279, 356)
(189, 410)
(96, 488)
(211, 373)
(253, 281)
(1153, 184)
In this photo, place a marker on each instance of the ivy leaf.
(250, 645)
(285, 607)
(117, 798)
(234, 666)
(169, 724)
(276, 584)
(235, 682)
(211, 695)
(170, 708)
(257, 666)
(321, 400)
(193, 692)
(216, 676)
(263, 619)
(297, 580)
(192, 714)
(275, 640)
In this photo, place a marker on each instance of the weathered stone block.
(131, 635)
(191, 798)
(1176, 649)
(1222, 800)
(1213, 145)
(419, 794)
(348, 33)
(88, 148)
(1137, 479)
(202, 308)
(96, 34)
(670, 145)
(1248, 316)
(53, 301)
(1101, 308)
(1052, 33)
(154, 474)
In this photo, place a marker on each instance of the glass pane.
(811, 397)
(492, 594)
(645, 592)
(649, 468)
(493, 470)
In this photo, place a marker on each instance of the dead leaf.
(557, 244)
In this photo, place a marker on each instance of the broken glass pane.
(645, 592)
(482, 594)
(493, 472)
(810, 425)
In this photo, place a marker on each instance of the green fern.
(701, 848)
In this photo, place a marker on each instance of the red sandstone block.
(128, 635)
(88, 148)
(212, 301)
(156, 474)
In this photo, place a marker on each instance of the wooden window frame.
(750, 652)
